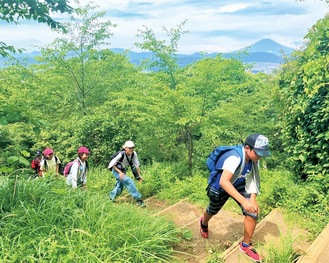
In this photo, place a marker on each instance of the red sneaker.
(203, 230)
(251, 252)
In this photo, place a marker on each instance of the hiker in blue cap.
(236, 175)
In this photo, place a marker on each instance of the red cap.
(48, 151)
(83, 149)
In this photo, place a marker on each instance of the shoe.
(140, 203)
(203, 230)
(250, 252)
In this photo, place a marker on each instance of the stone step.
(226, 231)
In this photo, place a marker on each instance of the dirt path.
(225, 231)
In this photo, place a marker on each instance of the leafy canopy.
(12, 11)
(304, 85)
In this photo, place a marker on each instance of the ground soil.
(225, 231)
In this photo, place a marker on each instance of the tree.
(164, 56)
(304, 85)
(209, 84)
(12, 11)
(81, 74)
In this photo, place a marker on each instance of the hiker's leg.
(250, 219)
(118, 186)
(217, 199)
(249, 228)
(130, 185)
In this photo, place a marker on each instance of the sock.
(245, 245)
(203, 226)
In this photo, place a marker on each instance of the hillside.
(265, 55)
(270, 47)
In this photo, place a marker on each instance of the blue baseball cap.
(259, 143)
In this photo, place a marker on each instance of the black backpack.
(115, 155)
(121, 159)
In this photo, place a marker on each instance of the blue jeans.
(125, 182)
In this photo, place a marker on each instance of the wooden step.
(318, 251)
(268, 231)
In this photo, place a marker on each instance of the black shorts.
(218, 199)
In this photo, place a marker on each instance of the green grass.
(281, 251)
(48, 222)
(44, 220)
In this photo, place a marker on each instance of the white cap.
(128, 144)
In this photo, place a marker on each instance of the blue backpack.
(218, 152)
(213, 159)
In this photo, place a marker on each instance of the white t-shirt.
(231, 163)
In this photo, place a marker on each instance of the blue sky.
(214, 26)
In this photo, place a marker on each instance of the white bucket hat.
(128, 144)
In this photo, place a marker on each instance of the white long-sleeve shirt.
(78, 174)
(124, 161)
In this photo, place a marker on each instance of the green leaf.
(302, 157)
(12, 159)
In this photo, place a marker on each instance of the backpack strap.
(132, 166)
(45, 163)
(123, 153)
(87, 165)
(131, 160)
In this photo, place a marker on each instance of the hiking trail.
(226, 231)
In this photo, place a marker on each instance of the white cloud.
(214, 26)
(233, 7)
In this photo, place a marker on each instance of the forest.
(81, 94)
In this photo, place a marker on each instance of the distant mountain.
(265, 55)
(269, 46)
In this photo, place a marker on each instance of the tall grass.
(45, 221)
(281, 251)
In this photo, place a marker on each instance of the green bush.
(282, 251)
(307, 200)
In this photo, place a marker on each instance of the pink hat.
(48, 151)
(83, 149)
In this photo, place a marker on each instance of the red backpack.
(35, 165)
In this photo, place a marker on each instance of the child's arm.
(226, 184)
(254, 202)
